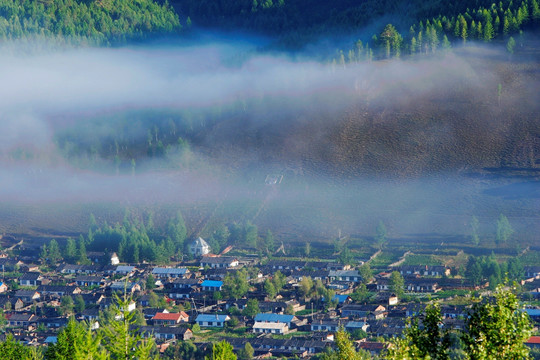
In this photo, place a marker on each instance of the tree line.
(85, 22)
(134, 240)
(138, 239)
(497, 21)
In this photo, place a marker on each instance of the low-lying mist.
(200, 127)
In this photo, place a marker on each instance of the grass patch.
(414, 259)
(304, 312)
(294, 334)
(530, 258)
(384, 259)
(451, 293)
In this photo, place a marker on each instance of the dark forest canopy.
(294, 23)
(86, 22)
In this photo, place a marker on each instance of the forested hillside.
(85, 22)
(282, 16)
(296, 22)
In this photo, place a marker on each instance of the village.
(283, 307)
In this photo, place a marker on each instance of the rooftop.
(170, 316)
(269, 325)
(268, 317)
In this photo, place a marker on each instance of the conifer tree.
(488, 31)
(121, 338)
(464, 30)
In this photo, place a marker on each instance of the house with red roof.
(533, 342)
(162, 318)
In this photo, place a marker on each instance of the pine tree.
(82, 258)
(269, 242)
(252, 308)
(488, 31)
(504, 229)
(120, 338)
(473, 31)
(236, 285)
(76, 342)
(70, 252)
(506, 25)
(53, 251)
(397, 283)
(479, 30)
(44, 254)
(457, 29)
(359, 50)
(446, 43)
(250, 233)
(380, 234)
(10, 349)
(391, 40)
(346, 349)
(497, 26)
(177, 231)
(535, 10)
(270, 289)
(433, 39)
(351, 57)
(464, 31)
(79, 304)
(222, 351)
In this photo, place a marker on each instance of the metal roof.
(269, 317)
(211, 318)
(160, 270)
(212, 283)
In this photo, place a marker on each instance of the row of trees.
(137, 239)
(86, 22)
(482, 24)
(504, 230)
(487, 268)
(245, 234)
(133, 240)
(73, 252)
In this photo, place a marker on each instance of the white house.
(114, 259)
(270, 328)
(199, 247)
(219, 262)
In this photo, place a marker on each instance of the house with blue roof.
(3, 287)
(211, 285)
(209, 320)
(342, 299)
(534, 314)
(274, 318)
(51, 340)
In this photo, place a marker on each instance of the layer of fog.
(45, 92)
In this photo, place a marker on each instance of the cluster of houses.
(32, 301)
